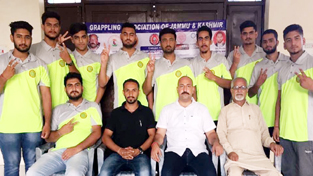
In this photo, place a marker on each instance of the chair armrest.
(43, 149)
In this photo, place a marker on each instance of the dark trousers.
(267, 150)
(174, 164)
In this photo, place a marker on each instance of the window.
(63, 1)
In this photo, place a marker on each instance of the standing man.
(211, 73)
(76, 125)
(243, 59)
(186, 124)
(127, 63)
(24, 84)
(54, 53)
(242, 132)
(293, 122)
(263, 81)
(164, 73)
(88, 63)
(129, 132)
(94, 45)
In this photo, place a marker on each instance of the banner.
(148, 37)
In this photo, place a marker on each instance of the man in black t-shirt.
(128, 133)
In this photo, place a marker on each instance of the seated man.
(128, 133)
(242, 132)
(187, 124)
(76, 125)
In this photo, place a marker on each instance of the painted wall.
(15, 10)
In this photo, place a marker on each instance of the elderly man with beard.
(128, 134)
(76, 125)
(263, 81)
(55, 54)
(164, 73)
(24, 82)
(186, 124)
(242, 132)
(127, 63)
(243, 59)
(94, 45)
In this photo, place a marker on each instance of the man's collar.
(82, 103)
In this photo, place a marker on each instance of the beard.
(129, 46)
(239, 97)
(21, 50)
(75, 98)
(131, 101)
(51, 38)
(271, 51)
(170, 51)
(295, 52)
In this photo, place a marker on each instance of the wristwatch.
(140, 149)
(70, 64)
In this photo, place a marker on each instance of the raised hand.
(67, 128)
(236, 57)
(262, 77)
(209, 74)
(63, 38)
(305, 81)
(150, 65)
(105, 54)
(65, 56)
(9, 70)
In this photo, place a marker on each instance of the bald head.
(240, 79)
(239, 89)
(185, 88)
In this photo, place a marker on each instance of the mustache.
(74, 92)
(185, 93)
(131, 97)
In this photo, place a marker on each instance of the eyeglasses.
(239, 87)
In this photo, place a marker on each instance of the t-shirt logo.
(89, 68)
(83, 115)
(32, 73)
(62, 63)
(140, 64)
(178, 73)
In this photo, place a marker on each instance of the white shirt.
(185, 127)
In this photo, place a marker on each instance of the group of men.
(186, 98)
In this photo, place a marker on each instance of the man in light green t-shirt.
(76, 125)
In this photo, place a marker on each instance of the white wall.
(281, 13)
(15, 10)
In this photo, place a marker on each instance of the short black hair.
(77, 27)
(130, 80)
(270, 31)
(293, 27)
(20, 25)
(167, 31)
(204, 28)
(72, 75)
(128, 25)
(50, 14)
(246, 24)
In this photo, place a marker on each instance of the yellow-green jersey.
(296, 109)
(209, 92)
(57, 69)
(20, 102)
(124, 67)
(246, 65)
(165, 80)
(89, 66)
(87, 114)
(267, 93)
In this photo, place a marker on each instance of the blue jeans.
(11, 145)
(174, 164)
(52, 162)
(140, 165)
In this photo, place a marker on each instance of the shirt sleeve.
(208, 124)
(230, 58)
(151, 122)
(222, 131)
(111, 122)
(254, 76)
(54, 121)
(162, 122)
(96, 116)
(225, 72)
(265, 135)
(44, 76)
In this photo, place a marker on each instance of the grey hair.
(234, 80)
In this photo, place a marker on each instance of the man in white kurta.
(242, 132)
